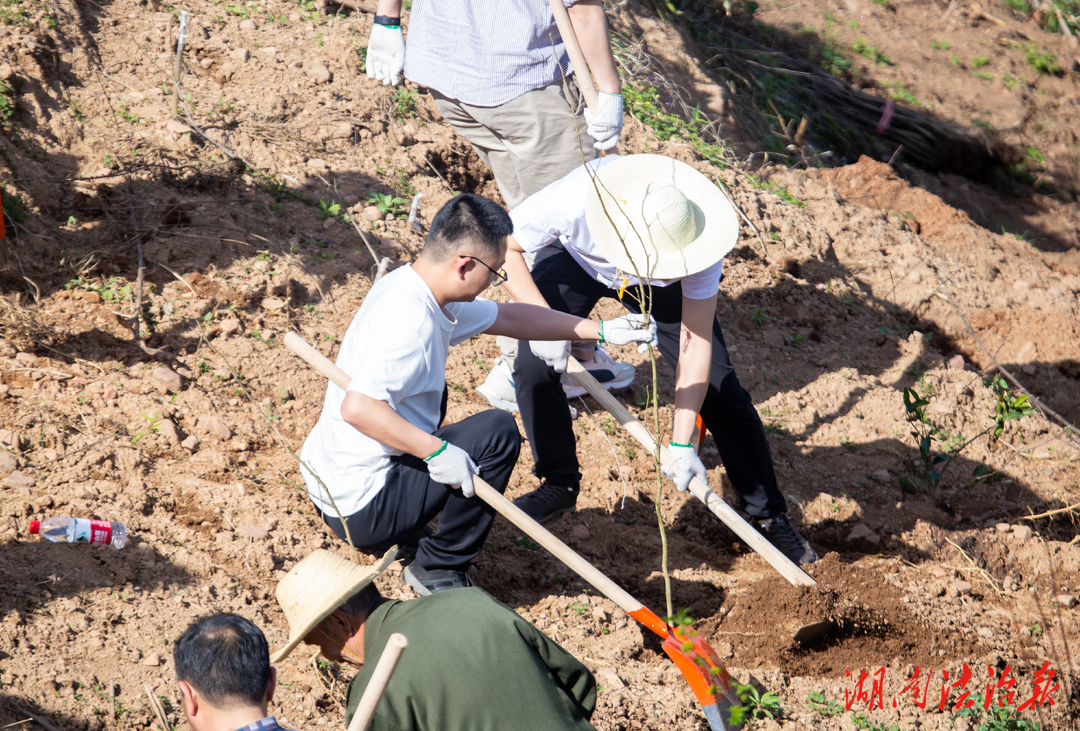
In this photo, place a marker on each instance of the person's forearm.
(529, 322)
(391, 8)
(519, 282)
(691, 384)
(590, 27)
(376, 419)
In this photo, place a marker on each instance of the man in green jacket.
(471, 661)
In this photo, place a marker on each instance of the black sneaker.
(782, 534)
(548, 502)
(426, 582)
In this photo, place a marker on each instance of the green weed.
(389, 204)
(526, 543)
(754, 705)
(818, 701)
(758, 317)
(1042, 61)
(979, 61)
(900, 93)
(1019, 6)
(873, 53)
(982, 75)
(1007, 407)
(329, 209)
(940, 45)
(405, 102)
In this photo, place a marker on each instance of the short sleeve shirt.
(395, 351)
(557, 213)
(484, 52)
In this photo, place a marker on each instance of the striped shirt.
(268, 723)
(484, 52)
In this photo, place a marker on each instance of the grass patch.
(873, 53)
(940, 45)
(979, 61)
(900, 93)
(982, 75)
(644, 104)
(1042, 61)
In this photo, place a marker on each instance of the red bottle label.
(100, 532)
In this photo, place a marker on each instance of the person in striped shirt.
(496, 69)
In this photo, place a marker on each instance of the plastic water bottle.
(80, 530)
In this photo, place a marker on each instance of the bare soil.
(864, 280)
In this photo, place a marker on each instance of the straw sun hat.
(686, 221)
(316, 587)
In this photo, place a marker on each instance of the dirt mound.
(872, 625)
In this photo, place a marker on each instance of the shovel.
(804, 634)
(696, 660)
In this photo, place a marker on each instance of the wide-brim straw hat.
(317, 586)
(658, 217)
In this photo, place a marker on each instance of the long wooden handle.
(493, 497)
(573, 50)
(698, 488)
(380, 678)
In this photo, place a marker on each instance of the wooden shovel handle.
(698, 488)
(380, 678)
(492, 497)
(573, 50)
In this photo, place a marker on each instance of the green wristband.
(601, 332)
(436, 453)
(676, 444)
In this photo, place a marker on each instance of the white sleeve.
(541, 218)
(473, 318)
(390, 371)
(703, 284)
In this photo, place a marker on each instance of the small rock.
(224, 537)
(956, 363)
(1030, 369)
(600, 614)
(862, 532)
(248, 25)
(329, 223)
(177, 127)
(1022, 532)
(1066, 600)
(91, 297)
(371, 213)
(167, 429)
(168, 379)
(725, 650)
(109, 392)
(962, 587)
(320, 73)
(882, 475)
(240, 54)
(1021, 286)
(1002, 527)
(230, 325)
(579, 533)
(254, 532)
(191, 443)
(351, 200)
(184, 372)
(213, 426)
(608, 678)
(273, 303)
(153, 660)
(8, 463)
(18, 479)
(939, 573)
(986, 633)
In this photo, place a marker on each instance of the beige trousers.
(528, 142)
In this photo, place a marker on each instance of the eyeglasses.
(500, 275)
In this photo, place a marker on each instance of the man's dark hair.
(363, 602)
(225, 657)
(471, 224)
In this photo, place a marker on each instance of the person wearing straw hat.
(223, 669)
(471, 661)
(597, 233)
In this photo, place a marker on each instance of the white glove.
(684, 467)
(604, 126)
(552, 352)
(453, 466)
(385, 54)
(629, 329)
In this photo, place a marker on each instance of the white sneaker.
(609, 372)
(498, 387)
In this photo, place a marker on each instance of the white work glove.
(629, 329)
(552, 352)
(385, 54)
(684, 467)
(453, 466)
(604, 126)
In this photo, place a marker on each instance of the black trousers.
(410, 498)
(727, 411)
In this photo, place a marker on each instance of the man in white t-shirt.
(587, 232)
(378, 448)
